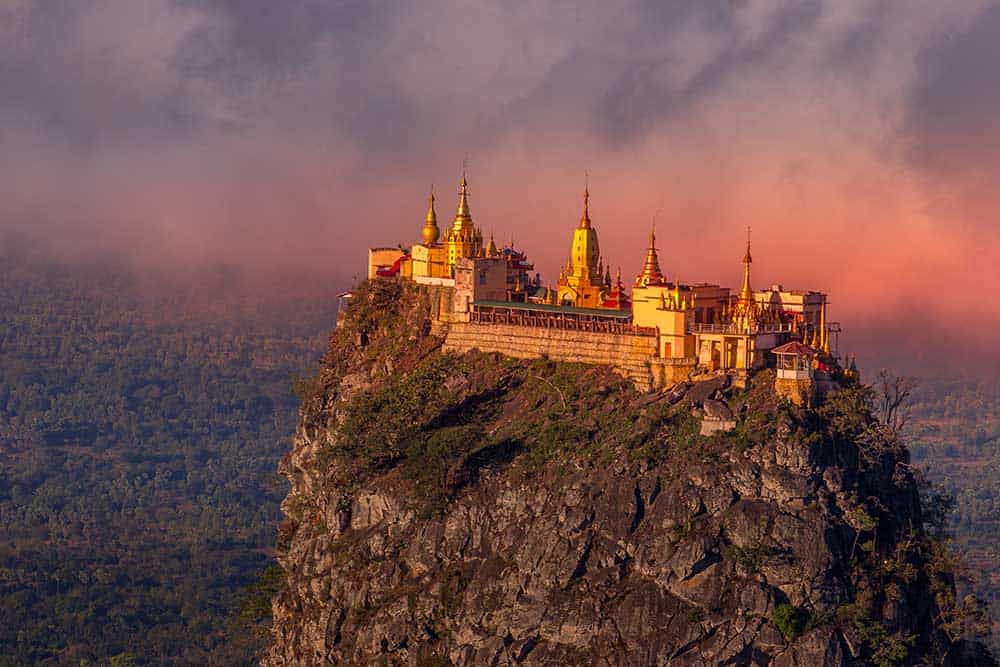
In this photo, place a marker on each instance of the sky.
(860, 140)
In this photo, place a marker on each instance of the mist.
(273, 143)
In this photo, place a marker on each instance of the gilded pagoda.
(676, 328)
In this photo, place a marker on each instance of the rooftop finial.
(585, 218)
(746, 292)
(431, 233)
(463, 213)
(651, 274)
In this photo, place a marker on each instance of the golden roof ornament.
(746, 292)
(824, 332)
(463, 214)
(431, 233)
(651, 274)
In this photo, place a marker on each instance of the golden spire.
(585, 218)
(431, 233)
(491, 248)
(824, 335)
(463, 239)
(746, 293)
(651, 274)
(463, 215)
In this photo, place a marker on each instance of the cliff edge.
(479, 510)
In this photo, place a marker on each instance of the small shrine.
(794, 378)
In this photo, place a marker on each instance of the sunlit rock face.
(477, 510)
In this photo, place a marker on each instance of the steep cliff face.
(472, 509)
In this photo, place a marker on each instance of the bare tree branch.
(892, 399)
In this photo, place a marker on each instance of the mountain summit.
(472, 509)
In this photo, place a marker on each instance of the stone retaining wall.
(629, 354)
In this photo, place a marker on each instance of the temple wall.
(799, 392)
(630, 355)
(441, 300)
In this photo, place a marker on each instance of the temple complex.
(660, 333)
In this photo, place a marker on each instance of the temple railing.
(525, 316)
(702, 327)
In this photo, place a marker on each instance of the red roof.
(393, 270)
(795, 347)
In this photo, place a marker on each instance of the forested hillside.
(956, 439)
(139, 436)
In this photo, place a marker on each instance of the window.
(482, 277)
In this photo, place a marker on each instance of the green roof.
(596, 312)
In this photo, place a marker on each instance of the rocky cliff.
(478, 510)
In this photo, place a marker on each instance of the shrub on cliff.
(790, 620)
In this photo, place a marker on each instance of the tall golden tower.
(431, 233)
(746, 312)
(464, 239)
(651, 274)
(746, 292)
(582, 282)
(585, 255)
